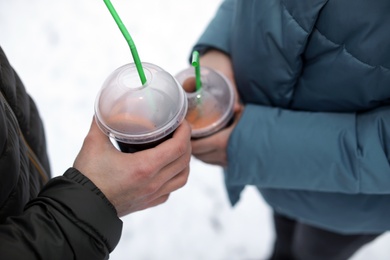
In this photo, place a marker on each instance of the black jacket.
(66, 218)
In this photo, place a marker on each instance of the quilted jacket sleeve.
(332, 152)
(70, 219)
(217, 34)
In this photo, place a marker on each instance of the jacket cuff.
(89, 208)
(77, 176)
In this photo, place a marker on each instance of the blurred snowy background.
(64, 49)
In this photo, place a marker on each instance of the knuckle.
(182, 148)
(184, 177)
(188, 159)
(152, 188)
(145, 171)
(165, 198)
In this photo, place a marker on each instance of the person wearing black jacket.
(76, 215)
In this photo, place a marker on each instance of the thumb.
(96, 136)
(95, 144)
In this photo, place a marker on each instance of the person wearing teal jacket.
(312, 128)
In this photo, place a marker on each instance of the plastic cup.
(210, 108)
(137, 116)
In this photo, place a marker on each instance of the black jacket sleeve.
(70, 219)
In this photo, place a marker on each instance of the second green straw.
(195, 63)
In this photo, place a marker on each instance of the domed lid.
(211, 107)
(131, 112)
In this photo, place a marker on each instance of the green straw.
(129, 40)
(195, 63)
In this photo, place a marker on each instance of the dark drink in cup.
(132, 148)
(137, 116)
(210, 108)
(136, 125)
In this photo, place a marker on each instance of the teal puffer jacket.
(314, 137)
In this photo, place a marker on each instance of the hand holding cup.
(135, 181)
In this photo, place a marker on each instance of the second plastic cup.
(137, 116)
(210, 108)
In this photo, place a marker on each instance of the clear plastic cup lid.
(211, 108)
(130, 112)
